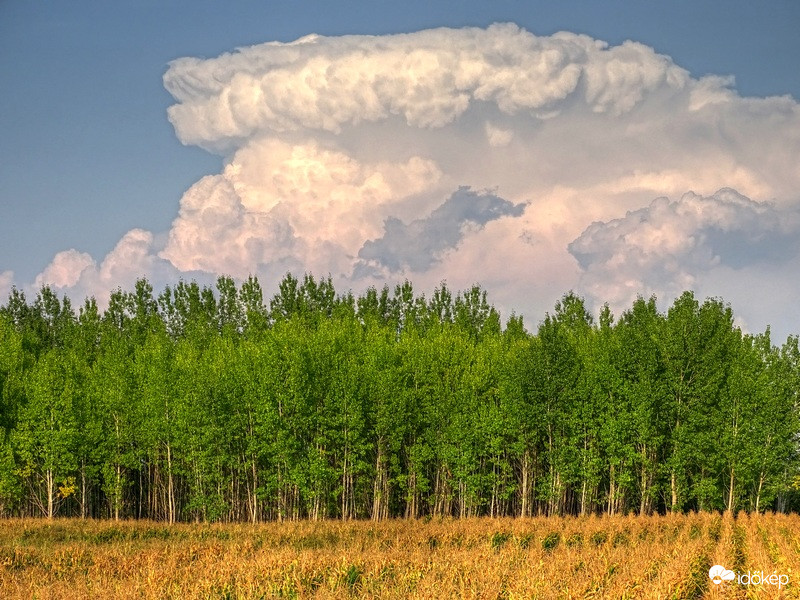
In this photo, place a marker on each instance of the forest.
(212, 404)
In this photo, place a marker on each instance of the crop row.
(593, 557)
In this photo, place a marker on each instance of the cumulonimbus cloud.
(420, 244)
(669, 246)
(294, 205)
(339, 151)
(429, 78)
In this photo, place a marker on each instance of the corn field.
(571, 557)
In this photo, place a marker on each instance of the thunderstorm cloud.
(676, 245)
(419, 244)
(339, 152)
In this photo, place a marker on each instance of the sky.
(615, 149)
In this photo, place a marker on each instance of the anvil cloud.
(528, 164)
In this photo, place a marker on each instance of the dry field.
(616, 557)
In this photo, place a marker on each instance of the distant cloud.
(670, 246)
(340, 150)
(131, 258)
(66, 269)
(420, 244)
(6, 283)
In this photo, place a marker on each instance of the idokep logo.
(718, 574)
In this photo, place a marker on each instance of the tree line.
(211, 404)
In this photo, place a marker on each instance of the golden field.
(594, 557)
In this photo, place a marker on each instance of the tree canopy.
(212, 404)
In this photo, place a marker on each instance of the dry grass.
(595, 557)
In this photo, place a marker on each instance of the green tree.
(46, 434)
(12, 399)
(561, 387)
(638, 359)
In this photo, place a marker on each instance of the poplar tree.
(204, 404)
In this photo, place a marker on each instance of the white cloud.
(325, 139)
(132, 256)
(79, 275)
(429, 78)
(711, 90)
(289, 206)
(498, 137)
(6, 283)
(65, 270)
(670, 246)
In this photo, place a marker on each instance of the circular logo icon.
(718, 574)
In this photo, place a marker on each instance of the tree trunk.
(525, 488)
(645, 482)
(254, 508)
(117, 490)
(758, 492)
(50, 493)
(345, 487)
(141, 491)
(729, 509)
(583, 498)
(494, 510)
(674, 491)
(380, 493)
(612, 491)
(83, 489)
(170, 486)
(281, 507)
(411, 496)
(556, 499)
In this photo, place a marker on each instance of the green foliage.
(208, 405)
(550, 541)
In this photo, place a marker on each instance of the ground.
(594, 557)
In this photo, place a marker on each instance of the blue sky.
(87, 152)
